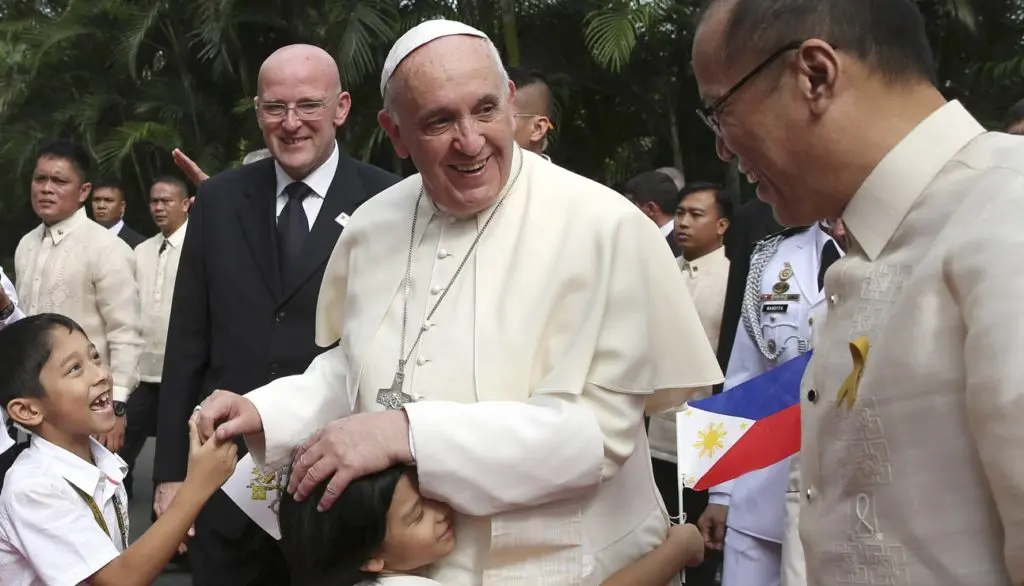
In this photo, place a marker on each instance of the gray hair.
(389, 104)
(257, 155)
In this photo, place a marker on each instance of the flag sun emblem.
(710, 440)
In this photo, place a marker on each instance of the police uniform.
(781, 293)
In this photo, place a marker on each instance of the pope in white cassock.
(502, 322)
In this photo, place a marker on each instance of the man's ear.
(26, 412)
(390, 126)
(374, 566)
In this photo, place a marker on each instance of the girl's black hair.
(329, 548)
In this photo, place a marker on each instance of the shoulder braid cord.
(763, 253)
(98, 515)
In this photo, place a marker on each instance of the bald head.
(307, 62)
(887, 35)
(299, 106)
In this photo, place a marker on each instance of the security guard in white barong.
(756, 515)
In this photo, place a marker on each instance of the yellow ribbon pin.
(848, 392)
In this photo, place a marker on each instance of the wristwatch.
(120, 408)
(8, 311)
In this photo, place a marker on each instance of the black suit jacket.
(130, 236)
(677, 250)
(234, 325)
(752, 222)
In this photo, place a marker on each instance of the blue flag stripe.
(765, 394)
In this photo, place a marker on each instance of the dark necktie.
(829, 255)
(163, 247)
(292, 224)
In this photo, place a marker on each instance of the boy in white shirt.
(63, 516)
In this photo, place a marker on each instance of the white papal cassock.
(531, 377)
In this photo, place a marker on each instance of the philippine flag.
(749, 427)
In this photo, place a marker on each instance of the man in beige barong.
(911, 408)
(502, 322)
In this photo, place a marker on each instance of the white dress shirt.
(48, 534)
(12, 294)
(319, 181)
(156, 273)
(116, 228)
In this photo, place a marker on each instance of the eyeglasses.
(551, 125)
(304, 110)
(709, 114)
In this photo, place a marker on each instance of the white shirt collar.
(77, 471)
(319, 180)
(667, 228)
(886, 196)
(116, 228)
(58, 231)
(178, 236)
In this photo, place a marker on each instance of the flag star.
(743, 426)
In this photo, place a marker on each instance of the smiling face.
(77, 400)
(419, 531)
(302, 81)
(57, 189)
(452, 116)
(773, 122)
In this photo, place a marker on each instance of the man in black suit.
(245, 300)
(108, 207)
(657, 196)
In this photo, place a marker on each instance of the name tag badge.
(775, 308)
(780, 297)
(342, 219)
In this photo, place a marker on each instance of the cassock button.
(452, 219)
(435, 290)
(421, 361)
(812, 396)
(427, 325)
(443, 254)
(810, 493)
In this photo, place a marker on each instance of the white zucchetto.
(418, 36)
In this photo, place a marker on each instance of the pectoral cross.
(393, 398)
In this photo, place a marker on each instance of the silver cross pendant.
(393, 398)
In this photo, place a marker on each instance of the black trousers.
(225, 552)
(694, 504)
(141, 425)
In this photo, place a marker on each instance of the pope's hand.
(348, 448)
(228, 415)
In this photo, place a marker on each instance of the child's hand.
(687, 540)
(209, 464)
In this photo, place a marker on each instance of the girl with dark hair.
(383, 531)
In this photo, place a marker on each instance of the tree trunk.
(508, 25)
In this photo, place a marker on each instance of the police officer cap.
(418, 36)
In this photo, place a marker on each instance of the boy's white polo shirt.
(48, 534)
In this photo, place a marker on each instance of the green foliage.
(133, 79)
